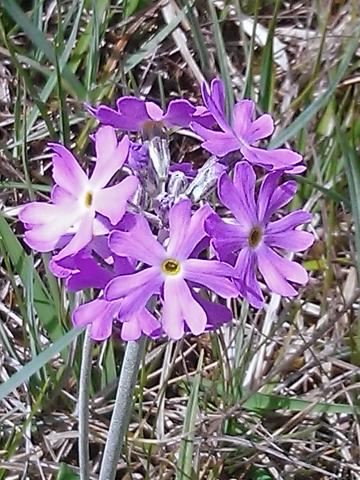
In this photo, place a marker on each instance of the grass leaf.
(37, 362)
(185, 463)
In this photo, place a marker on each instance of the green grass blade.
(267, 78)
(66, 473)
(270, 402)
(222, 57)
(37, 363)
(352, 170)
(64, 114)
(250, 52)
(328, 192)
(199, 41)
(185, 462)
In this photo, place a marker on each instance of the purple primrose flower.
(77, 199)
(244, 132)
(137, 115)
(170, 271)
(254, 238)
(84, 271)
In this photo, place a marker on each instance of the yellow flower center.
(171, 266)
(88, 199)
(255, 237)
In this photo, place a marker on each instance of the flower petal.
(211, 274)
(81, 238)
(154, 112)
(100, 314)
(172, 320)
(137, 299)
(39, 245)
(192, 312)
(186, 232)
(216, 313)
(278, 271)
(179, 113)
(108, 116)
(110, 156)
(214, 99)
(244, 182)
(180, 306)
(217, 143)
(283, 194)
(138, 243)
(112, 201)
(134, 112)
(89, 274)
(179, 220)
(289, 222)
(246, 281)
(291, 240)
(131, 330)
(234, 199)
(271, 159)
(59, 195)
(242, 118)
(267, 189)
(149, 324)
(56, 221)
(40, 213)
(261, 128)
(225, 237)
(142, 322)
(67, 172)
(123, 285)
(105, 143)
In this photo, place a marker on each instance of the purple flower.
(101, 313)
(170, 272)
(83, 271)
(254, 238)
(244, 132)
(77, 199)
(134, 114)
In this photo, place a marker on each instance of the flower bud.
(205, 179)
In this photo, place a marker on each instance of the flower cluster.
(141, 232)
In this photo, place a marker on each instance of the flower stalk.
(85, 372)
(122, 408)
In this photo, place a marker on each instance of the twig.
(122, 408)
